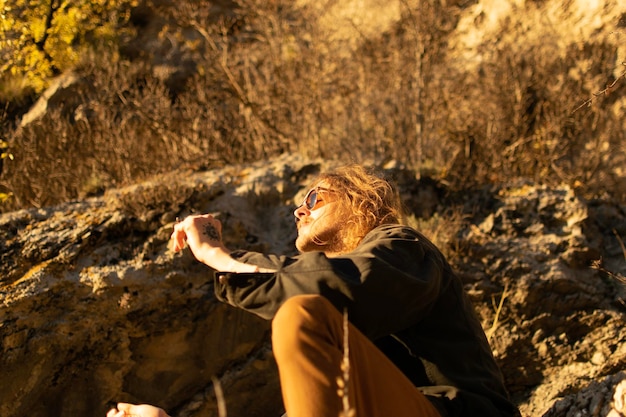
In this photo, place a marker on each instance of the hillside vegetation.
(467, 92)
(500, 121)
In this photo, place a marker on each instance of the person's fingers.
(113, 412)
(178, 238)
(189, 230)
(179, 242)
(124, 406)
(141, 410)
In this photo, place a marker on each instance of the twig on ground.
(597, 265)
(219, 395)
(494, 325)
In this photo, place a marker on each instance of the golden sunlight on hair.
(368, 200)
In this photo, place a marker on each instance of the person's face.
(317, 220)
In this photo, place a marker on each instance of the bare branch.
(604, 92)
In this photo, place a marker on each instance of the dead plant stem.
(344, 380)
(219, 395)
(494, 325)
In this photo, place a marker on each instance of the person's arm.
(203, 235)
(389, 282)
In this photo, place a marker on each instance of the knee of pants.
(294, 317)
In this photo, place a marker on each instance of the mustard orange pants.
(307, 339)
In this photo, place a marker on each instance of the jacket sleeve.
(388, 283)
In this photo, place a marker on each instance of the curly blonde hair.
(367, 199)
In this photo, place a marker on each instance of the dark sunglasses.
(310, 200)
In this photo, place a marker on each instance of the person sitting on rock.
(415, 346)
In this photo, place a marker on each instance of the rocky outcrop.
(601, 398)
(96, 308)
(548, 253)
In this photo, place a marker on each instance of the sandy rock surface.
(95, 308)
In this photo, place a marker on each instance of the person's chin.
(305, 244)
(301, 243)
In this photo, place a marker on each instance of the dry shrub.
(519, 116)
(442, 230)
(211, 87)
(115, 132)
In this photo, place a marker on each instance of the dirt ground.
(546, 271)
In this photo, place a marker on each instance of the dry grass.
(219, 395)
(266, 78)
(498, 309)
(442, 230)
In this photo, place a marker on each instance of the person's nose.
(300, 212)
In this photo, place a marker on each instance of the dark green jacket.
(402, 294)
